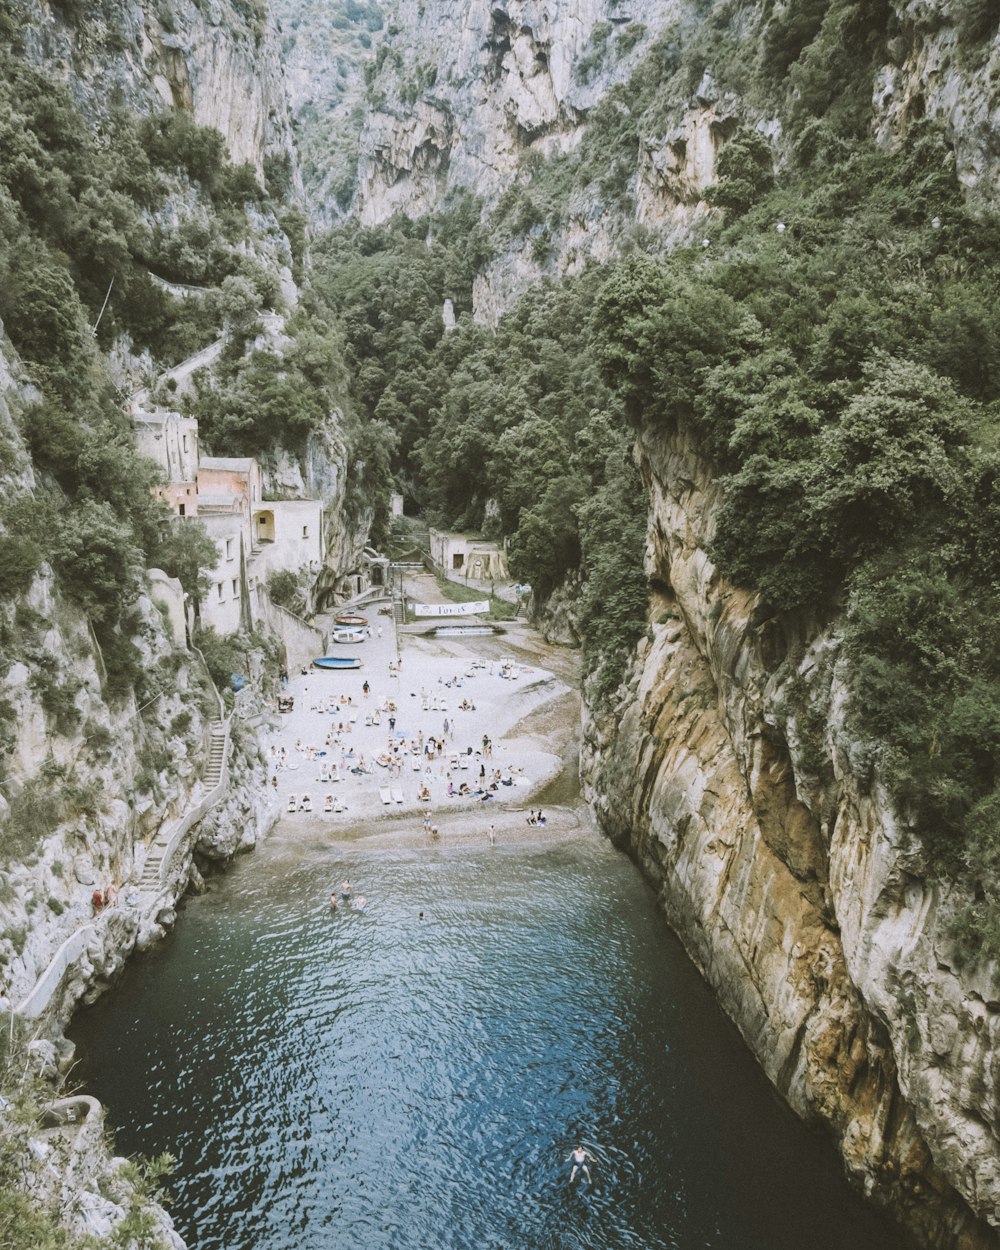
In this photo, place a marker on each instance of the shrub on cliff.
(745, 172)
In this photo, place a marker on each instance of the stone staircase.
(216, 756)
(150, 879)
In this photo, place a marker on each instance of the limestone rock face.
(944, 69)
(210, 60)
(464, 94)
(248, 811)
(728, 773)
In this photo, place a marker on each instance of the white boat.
(348, 635)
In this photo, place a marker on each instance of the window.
(185, 442)
(218, 587)
(180, 509)
(235, 588)
(229, 548)
(305, 531)
(457, 560)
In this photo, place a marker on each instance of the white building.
(254, 536)
(468, 556)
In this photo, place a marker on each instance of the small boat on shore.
(337, 661)
(350, 618)
(348, 635)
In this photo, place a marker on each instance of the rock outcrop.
(942, 62)
(485, 102)
(461, 105)
(728, 773)
(218, 61)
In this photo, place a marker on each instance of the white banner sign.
(480, 607)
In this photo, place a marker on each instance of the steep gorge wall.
(90, 778)
(207, 59)
(482, 101)
(459, 103)
(727, 772)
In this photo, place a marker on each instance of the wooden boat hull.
(336, 661)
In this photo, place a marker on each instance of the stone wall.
(302, 641)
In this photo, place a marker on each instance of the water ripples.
(399, 1083)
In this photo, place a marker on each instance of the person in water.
(345, 890)
(333, 901)
(579, 1157)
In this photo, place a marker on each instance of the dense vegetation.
(834, 357)
(512, 431)
(841, 372)
(85, 253)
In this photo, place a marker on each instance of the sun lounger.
(384, 795)
(293, 805)
(397, 794)
(340, 805)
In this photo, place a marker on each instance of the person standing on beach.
(493, 835)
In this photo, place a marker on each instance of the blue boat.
(337, 661)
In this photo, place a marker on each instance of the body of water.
(390, 1083)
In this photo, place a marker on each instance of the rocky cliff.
(461, 104)
(98, 786)
(511, 94)
(803, 898)
(217, 61)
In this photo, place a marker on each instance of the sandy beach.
(431, 702)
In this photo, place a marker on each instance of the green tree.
(97, 558)
(186, 551)
(745, 170)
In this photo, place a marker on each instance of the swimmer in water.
(579, 1157)
(333, 901)
(359, 903)
(345, 890)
